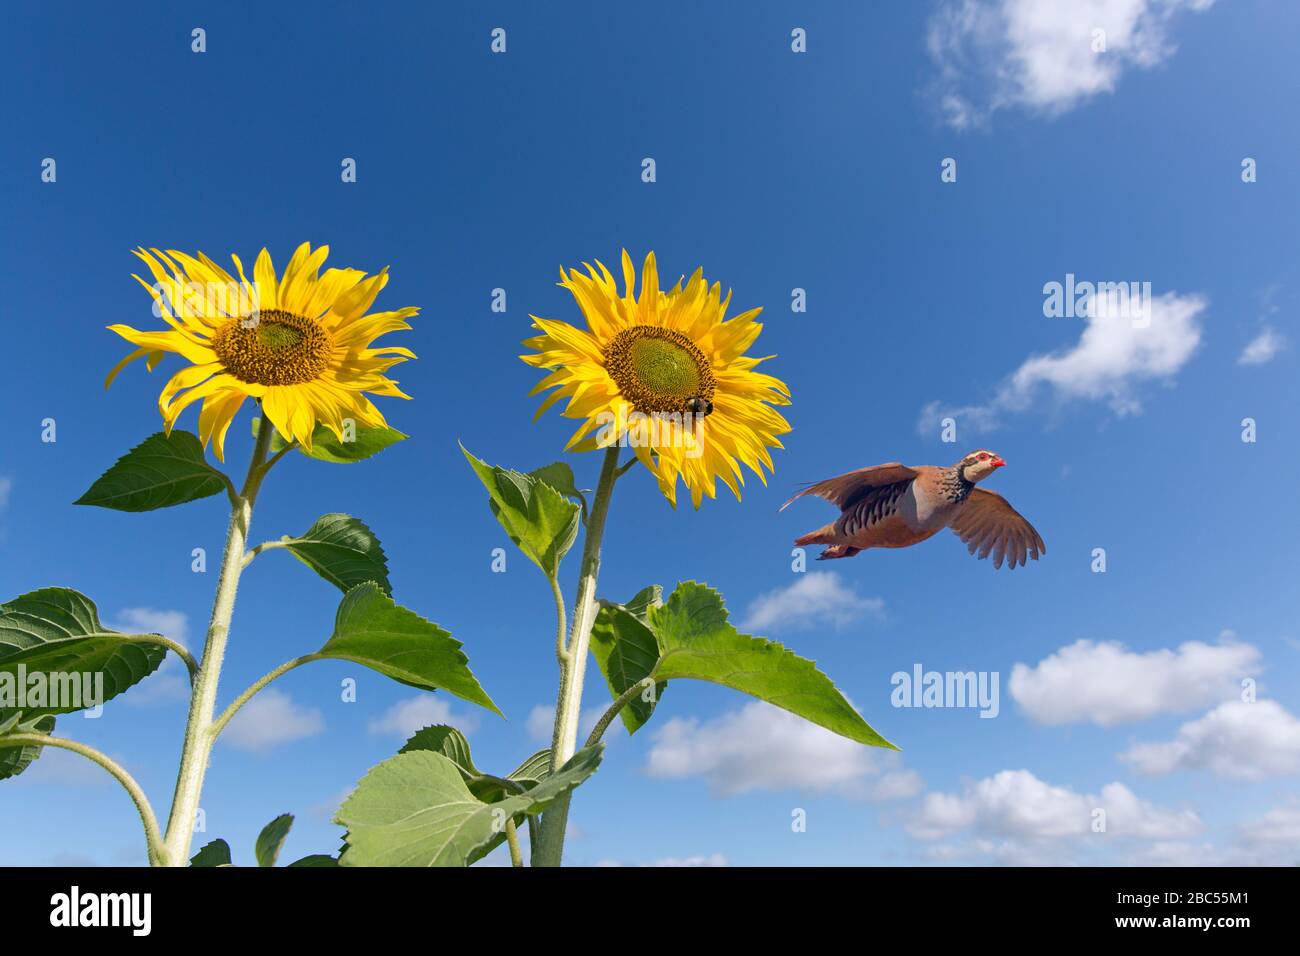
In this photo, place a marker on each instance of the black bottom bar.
(606, 905)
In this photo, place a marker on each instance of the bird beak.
(998, 462)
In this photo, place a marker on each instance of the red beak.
(998, 462)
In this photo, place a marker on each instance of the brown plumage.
(897, 506)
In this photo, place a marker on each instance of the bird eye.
(983, 456)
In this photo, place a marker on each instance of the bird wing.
(987, 522)
(870, 505)
(845, 490)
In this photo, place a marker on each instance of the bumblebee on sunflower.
(663, 354)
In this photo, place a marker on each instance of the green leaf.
(449, 742)
(159, 472)
(627, 652)
(540, 520)
(452, 744)
(272, 838)
(643, 601)
(343, 551)
(14, 760)
(534, 769)
(560, 477)
(56, 633)
(370, 629)
(325, 446)
(216, 853)
(415, 810)
(316, 859)
(697, 642)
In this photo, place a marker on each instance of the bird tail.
(823, 535)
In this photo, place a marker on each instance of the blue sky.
(776, 170)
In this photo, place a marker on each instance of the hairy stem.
(512, 838)
(264, 546)
(219, 724)
(152, 835)
(178, 649)
(573, 663)
(615, 708)
(561, 628)
(198, 739)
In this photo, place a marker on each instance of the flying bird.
(897, 506)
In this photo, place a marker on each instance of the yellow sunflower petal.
(130, 357)
(300, 344)
(187, 377)
(167, 342)
(352, 304)
(215, 417)
(268, 296)
(296, 289)
(215, 384)
(329, 287)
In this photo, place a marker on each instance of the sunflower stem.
(561, 626)
(512, 837)
(292, 446)
(175, 647)
(152, 835)
(198, 737)
(218, 725)
(616, 708)
(573, 663)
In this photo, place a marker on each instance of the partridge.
(897, 506)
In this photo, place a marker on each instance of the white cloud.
(1273, 839)
(984, 852)
(1114, 356)
(1041, 56)
(1107, 685)
(761, 747)
(152, 620)
(1175, 853)
(170, 682)
(1269, 840)
(711, 859)
(815, 598)
(1014, 805)
(1263, 347)
(407, 716)
(541, 723)
(1242, 741)
(269, 720)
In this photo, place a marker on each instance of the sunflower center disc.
(660, 371)
(273, 348)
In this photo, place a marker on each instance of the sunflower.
(664, 373)
(300, 345)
